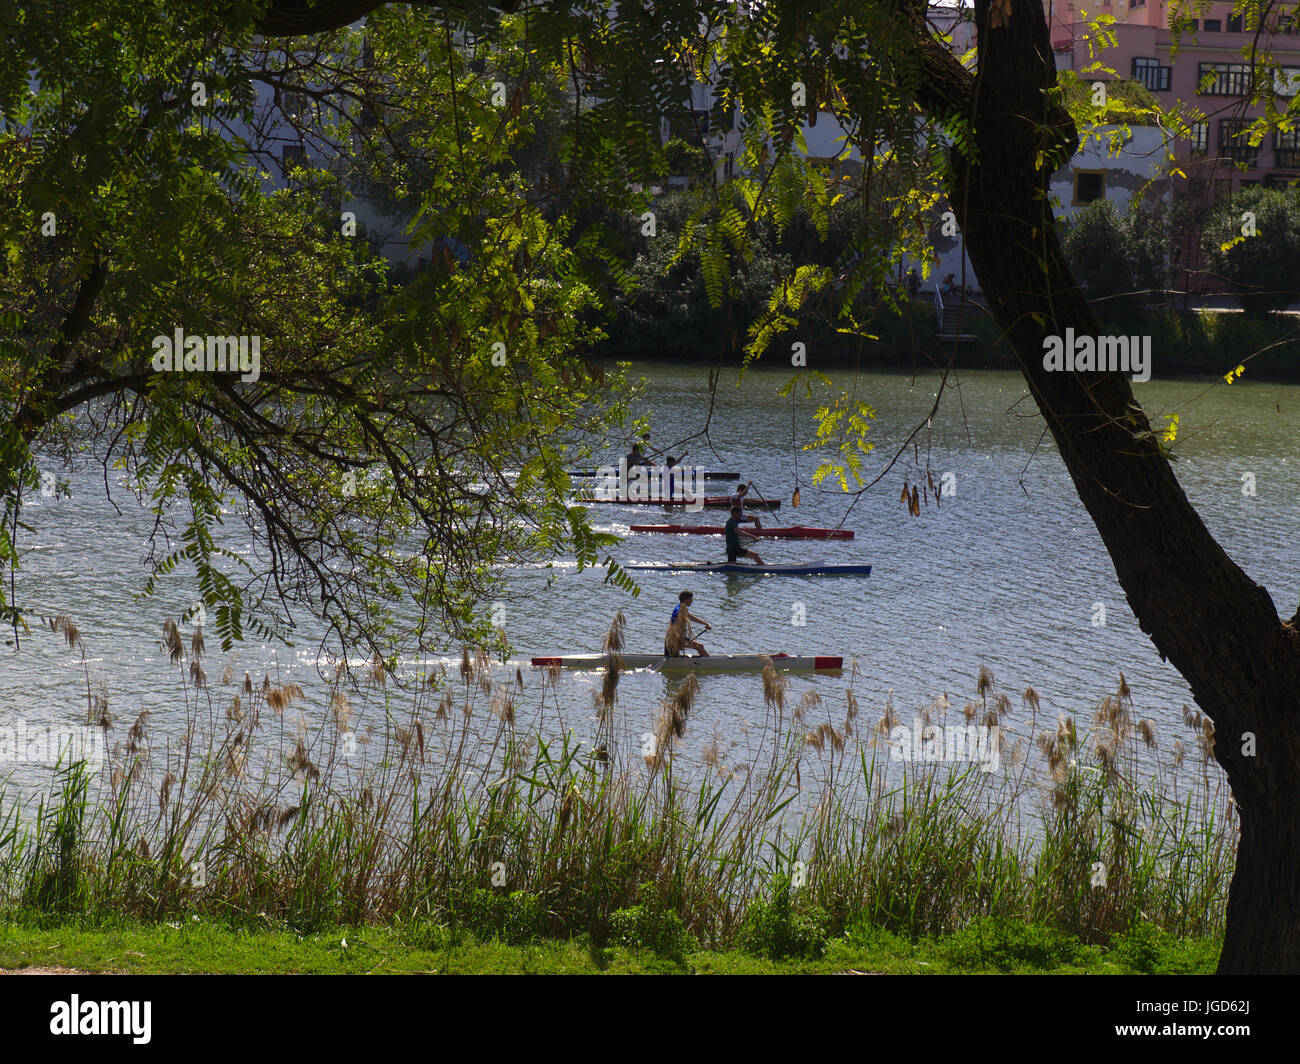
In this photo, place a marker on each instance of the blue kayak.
(759, 570)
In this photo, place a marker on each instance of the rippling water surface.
(1008, 573)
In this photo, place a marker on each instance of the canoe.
(708, 473)
(713, 502)
(759, 570)
(792, 532)
(713, 663)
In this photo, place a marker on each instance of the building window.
(1223, 79)
(1149, 71)
(1234, 144)
(1089, 186)
(292, 155)
(1138, 3)
(692, 127)
(1200, 138)
(1286, 147)
(1213, 25)
(1234, 23)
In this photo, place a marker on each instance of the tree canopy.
(390, 448)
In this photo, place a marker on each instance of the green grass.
(186, 947)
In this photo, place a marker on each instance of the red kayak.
(792, 532)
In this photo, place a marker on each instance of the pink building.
(1209, 72)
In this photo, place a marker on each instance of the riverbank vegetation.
(433, 809)
(1120, 258)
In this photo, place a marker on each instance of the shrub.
(1262, 270)
(772, 927)
(1148, 949)
(1009, 944)
(649, 925)
(515, 918)
(1117, 258)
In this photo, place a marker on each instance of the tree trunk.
(1206, 616)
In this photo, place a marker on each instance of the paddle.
(660, 664)
(794, 499)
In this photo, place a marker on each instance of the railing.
(938, 308)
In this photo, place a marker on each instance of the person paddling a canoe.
(636, 458)
(738, 498)
(671, 464)
(735, 550)
(680, 636)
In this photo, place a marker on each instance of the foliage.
(1206, 342)
(649, 925)
(687, 160)
(1252, 242)
(1127, 102)
(674, 308)
(1147, 949)
(774, 927)
(1118, 258)
(399, 440)
(515, 918)
(1008, 945)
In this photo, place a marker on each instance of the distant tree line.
(1249, 247)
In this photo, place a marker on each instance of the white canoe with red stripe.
(788, 532)
(713, 663)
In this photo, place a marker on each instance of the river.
(1007, 572)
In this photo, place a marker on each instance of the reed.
(431, 802)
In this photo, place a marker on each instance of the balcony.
(1286, 158)
(1234, 143)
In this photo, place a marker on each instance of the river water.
(1006, 573)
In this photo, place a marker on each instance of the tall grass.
(444, 808)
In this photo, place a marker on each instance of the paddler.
(735, 550)
(738, 499)
(671, 464)
(680, 636)
(636, 458)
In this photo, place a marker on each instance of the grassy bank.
(442, 811)
(185, 947)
